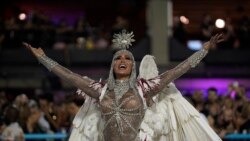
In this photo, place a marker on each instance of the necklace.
(121, 87)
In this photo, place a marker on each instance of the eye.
(128, 58)
(118, 58)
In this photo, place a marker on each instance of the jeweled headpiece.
(123, 40)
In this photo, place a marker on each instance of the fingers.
(28, 46)
(217, 38)
(220, 40)
(25, 44)
(220, 35)
(213, 38)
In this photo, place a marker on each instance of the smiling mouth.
(122, 66)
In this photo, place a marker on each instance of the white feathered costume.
(171, 118)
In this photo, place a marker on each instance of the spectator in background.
(73, 104)
(179, 32)
(80, 33)
(47, 106)
(231, 39)
(199, 106)
(102, 41)
(63, 116)
(243, 32)
(197, 97)
(226, 122)
(3, 104)
(213, 111)
(46, 31)
(212, 95)
(36, 122)
(3, 101)
(242, 119)
(12, 36)
(21, 102)
(120, 23)
(207, 27)
(13, 131)
(63, 34)
(226, 117)
(30, 33)
(227, 103)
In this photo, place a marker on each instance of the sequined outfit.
(121, 106)
(122, 117)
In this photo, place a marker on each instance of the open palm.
(214, 40)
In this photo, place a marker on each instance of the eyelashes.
(128, 58)
(119, 57)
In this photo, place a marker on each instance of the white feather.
(172, 118)
(148, 68)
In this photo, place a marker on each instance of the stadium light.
(184, 20)
(220, 23)
(22, 16)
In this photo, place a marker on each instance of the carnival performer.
(121, 108)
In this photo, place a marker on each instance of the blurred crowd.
(226, 113)
(236, 31)
(37, 114)
(38, 29)
(46, 112)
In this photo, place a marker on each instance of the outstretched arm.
(64, 73)
(186, 65)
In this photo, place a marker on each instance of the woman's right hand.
(37, 52)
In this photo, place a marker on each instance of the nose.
(123, 59)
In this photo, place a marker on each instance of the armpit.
(148, 86)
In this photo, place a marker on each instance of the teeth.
(122, 66)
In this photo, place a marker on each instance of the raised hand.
(37, 52)
(214, 40)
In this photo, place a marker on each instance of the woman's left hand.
(214, 40)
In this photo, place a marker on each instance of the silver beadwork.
(47, 62)
(120, 89)
(123, 40)
(118, 113)
(197, 57)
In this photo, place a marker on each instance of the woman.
(121, 102)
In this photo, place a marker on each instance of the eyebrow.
(126, 55)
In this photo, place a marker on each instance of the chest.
(129, 101)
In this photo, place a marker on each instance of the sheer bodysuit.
(122, 118)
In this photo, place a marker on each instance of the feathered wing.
(88, 124)
(172, 117)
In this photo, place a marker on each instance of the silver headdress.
(122, 41)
